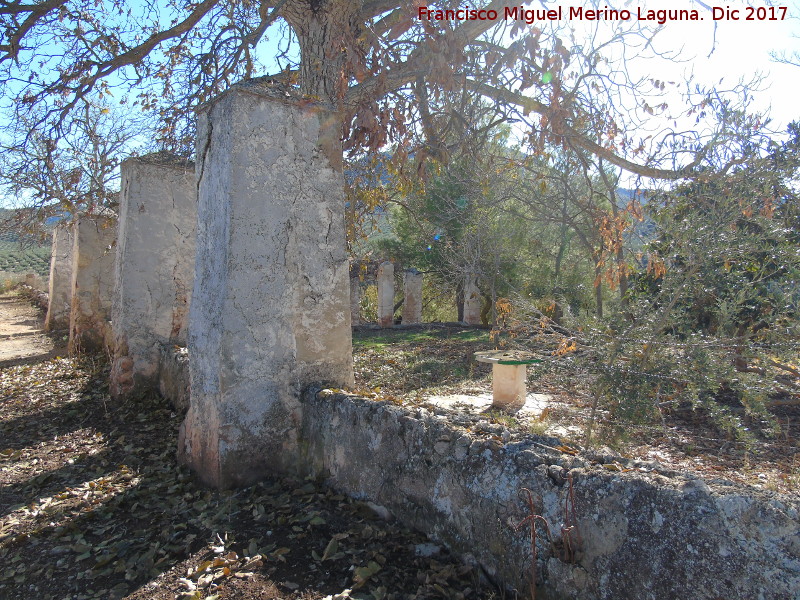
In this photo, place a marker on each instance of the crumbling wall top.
(164, 159)
(270, 87)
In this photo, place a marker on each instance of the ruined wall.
(645, 534)
(37, 283)
(270, 310)
(92, 281)
(154, 268)
(386, 294)
(412, 297)
(472, 300)
(60, 283)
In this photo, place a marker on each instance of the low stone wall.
(32, 280)
(38, 297)
(647, 533)
(36, 282)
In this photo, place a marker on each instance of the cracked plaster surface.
(154, 268)
(60, 281)
(270, 313)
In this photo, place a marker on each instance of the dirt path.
(22, 335)
(93, 506)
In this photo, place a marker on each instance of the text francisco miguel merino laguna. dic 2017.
(580, 13)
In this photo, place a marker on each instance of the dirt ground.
(22, 336)
(93, 505)
(408, 366)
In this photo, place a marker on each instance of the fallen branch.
(786, 368)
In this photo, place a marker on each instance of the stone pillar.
(386, 294)
(355, 301)
(92, 281)
(412, 297)
(472, 300)
(60, 285)
(270, 312)
(154, 269)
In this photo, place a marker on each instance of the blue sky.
(716, 53)
(742, 50)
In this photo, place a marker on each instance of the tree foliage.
(456, 225)
(714, 309)
(391, 76)
(711, 294)
(76, 173)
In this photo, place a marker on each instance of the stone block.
(386, 294)
(60, 284)
(92, 281)
(472, 300)
(270, 312)
(154, 269)
(633, 530)
(412, 297)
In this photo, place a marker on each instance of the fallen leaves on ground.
(401, 365)
(406, 366)
(93, 505)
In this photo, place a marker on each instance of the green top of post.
(506, 357)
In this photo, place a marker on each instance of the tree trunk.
(460, 302)
(619, 242)
(326, 30)
(562, 247)
(486, 310)
(623, 276)
(564, 239)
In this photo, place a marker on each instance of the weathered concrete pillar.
(92, 281)
(472, 300)
(386, 294)
(412, 297)
(154, 269)
(355, 301)
(60, 285)
(270, 312)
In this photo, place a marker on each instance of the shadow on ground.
(93, 505)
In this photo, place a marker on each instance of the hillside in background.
(23, 258)
(20, 253)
